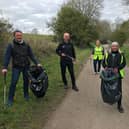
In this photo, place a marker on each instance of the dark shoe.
(65, 87)
(75, 88)
(121, 109)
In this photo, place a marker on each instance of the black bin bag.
(110, 86)
(38, 81)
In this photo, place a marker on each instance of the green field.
(35, 113)
(125, 49)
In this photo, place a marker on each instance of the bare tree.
(90, 8)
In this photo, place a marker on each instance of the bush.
(5, 29)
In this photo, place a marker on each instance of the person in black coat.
(67, 56)
(21, 53)
(117, 61)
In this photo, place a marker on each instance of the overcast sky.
(29, 14)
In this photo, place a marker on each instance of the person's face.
(66, 37)
(18, 36)
(97, 43)
(115, 48)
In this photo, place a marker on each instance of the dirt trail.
(86, 110)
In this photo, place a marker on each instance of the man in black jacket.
(21, 53)
(116, 60)
(67, 56)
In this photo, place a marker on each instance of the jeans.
(97, 65)
(70, 67)
(15, 77)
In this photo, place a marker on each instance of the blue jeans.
(15, 77)
(97, 65)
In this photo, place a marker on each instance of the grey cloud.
(114, 9)
(30, 14)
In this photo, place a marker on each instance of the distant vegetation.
(5, 29)
(81, 19)
(121, 34)
(43, 45)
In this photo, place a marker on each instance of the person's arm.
(104, 63)
(32, 57)
(7, 56)
(123, 64)
(59, 50)
(73, 52)
(103, 51)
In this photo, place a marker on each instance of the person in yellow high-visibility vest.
(97, 55)
(115, 59)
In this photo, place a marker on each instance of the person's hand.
(39, 65)
(106, 68)
(62, 54)
(74, 61)
(4, 71)
(115, 70)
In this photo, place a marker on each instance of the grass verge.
(125, 49)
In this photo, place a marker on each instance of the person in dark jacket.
(67, 56)
(20, 53)
(116, 60)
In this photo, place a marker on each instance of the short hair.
(16, 32)
(115, 43)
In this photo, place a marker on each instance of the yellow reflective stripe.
(122, 73)
(122, 59)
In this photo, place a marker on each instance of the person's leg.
(63, 73)
(95, 65)
(99, 65)
(14, 80)
(120, 108)
(26, 83)
(71, 71)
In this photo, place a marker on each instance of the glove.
(39, 65)
(4, 71)
(63, 54)
(115, 70)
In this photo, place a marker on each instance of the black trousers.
(64, 65)
(120, 89)
(97, 65)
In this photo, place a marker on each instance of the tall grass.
(125, 49)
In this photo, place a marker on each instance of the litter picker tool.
(5, 88)
(73, 59)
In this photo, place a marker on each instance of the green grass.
(125, 49)
(35, 113)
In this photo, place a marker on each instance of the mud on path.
(86, 110)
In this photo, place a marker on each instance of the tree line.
(81, 18)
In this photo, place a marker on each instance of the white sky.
(29, 14)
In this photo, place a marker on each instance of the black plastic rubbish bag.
(38, 80)
(110, 86)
